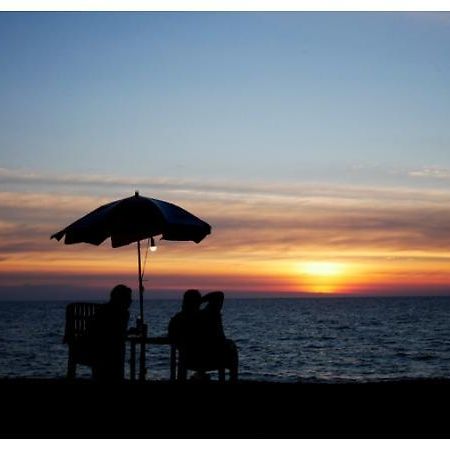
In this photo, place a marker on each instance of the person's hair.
(120, 295)
(191, 300)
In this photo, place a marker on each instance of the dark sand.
(58, 408)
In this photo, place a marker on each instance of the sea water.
(283, 340)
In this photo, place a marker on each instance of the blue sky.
(336, 97)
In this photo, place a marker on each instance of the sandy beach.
(49, 407)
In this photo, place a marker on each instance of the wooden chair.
(78, 315)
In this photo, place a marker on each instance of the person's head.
(191, 301)
(120, 296)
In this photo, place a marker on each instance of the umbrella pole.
(141, 287)
(141, 326)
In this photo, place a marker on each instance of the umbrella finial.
(136, 193)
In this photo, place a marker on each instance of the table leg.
(142, 369)
(133, 360)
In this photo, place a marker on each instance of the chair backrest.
(78, 315)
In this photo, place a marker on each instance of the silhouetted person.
(217, 349)
(184, 326)
(107, 332)
(199, 335)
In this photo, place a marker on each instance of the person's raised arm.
(214, 300)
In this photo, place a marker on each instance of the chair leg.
(173, 363)
(181, 371)
(233, 373)
(71, 368)
(234, 365)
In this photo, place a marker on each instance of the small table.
(143, 341)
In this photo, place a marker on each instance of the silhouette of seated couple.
(200, 339)
(196, 332)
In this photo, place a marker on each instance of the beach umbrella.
(134, 219)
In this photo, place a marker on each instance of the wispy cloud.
(19, 180)
(431, 172)
(256, 228)
(293, 216)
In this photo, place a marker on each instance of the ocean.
(280, 340)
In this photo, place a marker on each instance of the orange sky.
(290, 240)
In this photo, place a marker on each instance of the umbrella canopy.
(132, 219)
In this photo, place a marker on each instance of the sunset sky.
(317, 145)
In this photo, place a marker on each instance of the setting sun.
(322, 268)
(321, 276)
